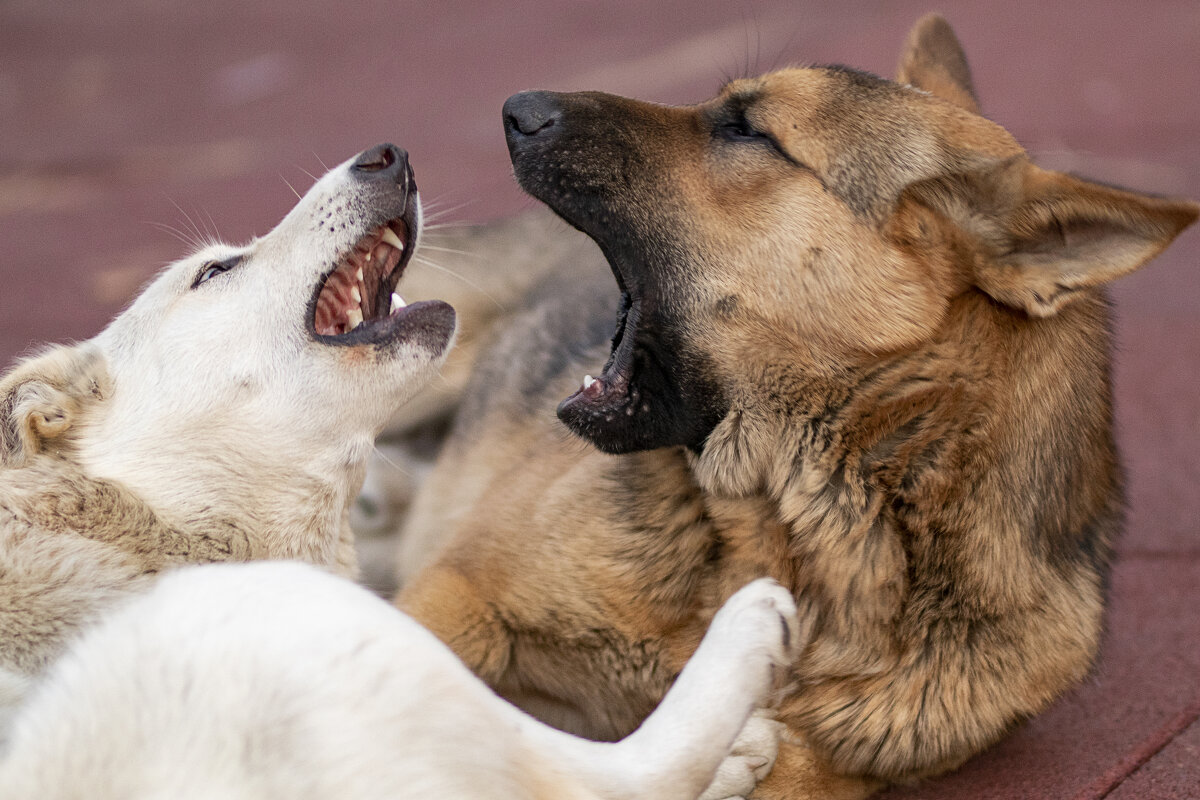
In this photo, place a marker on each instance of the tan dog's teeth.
(391, 238)
(354, 317)
(397, 302)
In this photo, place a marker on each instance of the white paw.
(750, 760)
(763, 613)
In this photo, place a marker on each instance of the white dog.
(276, 680)
(226, 415)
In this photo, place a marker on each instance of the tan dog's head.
(805, 220)
(242, 371)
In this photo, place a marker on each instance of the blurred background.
(128, 125)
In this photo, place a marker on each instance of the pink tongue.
(335, 300)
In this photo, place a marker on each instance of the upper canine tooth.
(354, 317)
(397, 302)
(391, 238)
(588, 380)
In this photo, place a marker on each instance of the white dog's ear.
(933, 61)
(44, 396)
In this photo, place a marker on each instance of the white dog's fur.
(275, 680)
(211, 422)
(207, 422)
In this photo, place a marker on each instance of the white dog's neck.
(292, 497)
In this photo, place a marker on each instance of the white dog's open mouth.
(360, 294)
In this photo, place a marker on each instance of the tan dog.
(226, 415)
(863, 348)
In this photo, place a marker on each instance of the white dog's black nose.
(383, 162)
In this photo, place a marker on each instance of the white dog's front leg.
(680, 747)
(677, 751)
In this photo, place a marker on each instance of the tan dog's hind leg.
(800, 775)
(679, 749)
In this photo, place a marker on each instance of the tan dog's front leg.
(800, 774)
(447, 602)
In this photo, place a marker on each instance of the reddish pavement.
(124, 118)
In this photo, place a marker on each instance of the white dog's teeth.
(391, 238)
(359, 274)
(356, 294)
(588, 380)
(397, 302)
(354, 317)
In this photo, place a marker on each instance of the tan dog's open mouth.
(653, 390)
(613, 391)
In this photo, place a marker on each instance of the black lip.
(427, 323)
(384, 328)
(617, 377)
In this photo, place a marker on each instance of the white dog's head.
(244, 380)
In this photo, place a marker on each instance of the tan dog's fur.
(882, 345)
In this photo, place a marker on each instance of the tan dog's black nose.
(530, 114)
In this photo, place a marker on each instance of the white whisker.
(183, 236)
(437, 227)
(432, 210)
(200, 238)
(391, 463)
(426, 246)
(215, 235)
(289, 185)
(464, 279)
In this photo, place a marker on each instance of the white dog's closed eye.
(215, 268)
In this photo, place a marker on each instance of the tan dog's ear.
(1039, 238)
(933, 60)
(43, 397)
(1068, 234)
